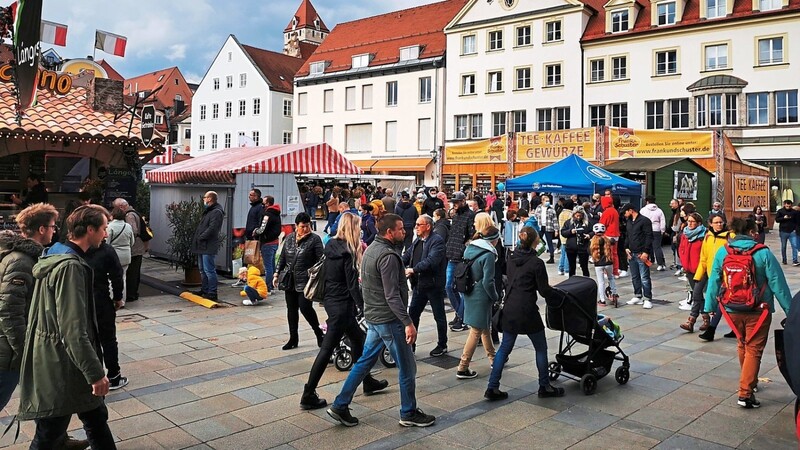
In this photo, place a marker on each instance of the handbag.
(286, 278)
(497, 317)
(315, 286)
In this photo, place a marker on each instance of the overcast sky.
(188, 33)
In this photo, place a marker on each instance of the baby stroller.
(343, 353)
(573, 311)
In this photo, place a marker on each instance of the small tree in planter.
(183, 218)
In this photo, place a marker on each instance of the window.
(366, 96)
(619, 115)
(202, 142)
(498, 123)
(425, 90)
(424, 135)
(476, 122)
(228, 109)
(597, 115)
(523, 36)
(520, 120)
(553, 31)
(553, 74)
(243, 108)
(316, 68)
(328, 100)
(679, 113)
(202, 112)
(358, 137)
(287, 107)
(468, 45)
(213, 142)
(391, 136)
(544, 119)
(716, 56)
(227, 140)
(666, 13)
(467, 84)
(229, 82)
(495, 82)
(700, 107)
(256, 138)
(178, 98)
(732, 109)
(215, 111)
(715, 110)
(667, 62)
(562, 118)
(230, 56)
(257, 105)
(350, 98)
(524, 78)
(216, 84)
(496, 40)
(619, 21)
(768, 5)
(715, 8)
(327, 133)
(770, 51)
(654, 111)
(302, 103)
(360, 61)
(597, 70)
(187, 133)
(757, 109)
(287, 137)
(786, 107)
(619, 66)
(242, 80)
(302, 135)
(461, 127)
(409, 53)
(241, 139)
(391, 93)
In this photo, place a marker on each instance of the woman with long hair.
(716, 237)
(577, 234)
(760, 218)
(368, 223)
(690, 245)
(602, 257)
(527, 275)
(482, 223)
(342, 302)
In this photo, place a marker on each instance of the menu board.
(120, 183)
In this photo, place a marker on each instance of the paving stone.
(622, 439)
(253, 395)
(165, 399)
(271, 411)
(215, 427)
(129, 407)
(547, 434)
(140, 443)
(134, 426)
(202, 409)
(682, 442)
(583, 417)
(515, 416)
(266, 436)
(473, 434)
(222, 385)
(174, 438)
(344, 437)
(656, 433)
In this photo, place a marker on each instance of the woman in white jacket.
(656, 216)
(121, 238)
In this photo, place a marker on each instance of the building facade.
(167, 91)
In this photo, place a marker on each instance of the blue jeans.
(268, 255)
(539, 342)
(792, 238)
(208, 273)
(640, 276)
(455, 297)
(252, 294)
(563, 263)
(393, 335)
(8, 382)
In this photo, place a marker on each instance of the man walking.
(134, 273)
(205, 245)
(461, 230)
(659, 223)
(426, 268)
(65, 376)
(268, 233)
(787, 228)
(639, 242)
(385, 293)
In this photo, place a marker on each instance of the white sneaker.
(685, 306)
(684, 302)
(247, 302)
(566, 274)
(560, 272)
(678, 272)
(683, 278)
(623, 273)
(647, 304)
(661, 268)
(558, 250)
(634, 301)
(238, 283)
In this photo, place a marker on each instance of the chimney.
(106, 95)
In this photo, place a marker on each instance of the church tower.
(306, 27)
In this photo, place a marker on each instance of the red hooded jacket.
(609, 217)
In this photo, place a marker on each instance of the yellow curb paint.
(199, 300)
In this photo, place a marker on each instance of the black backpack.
(145, 234)
(463, 275)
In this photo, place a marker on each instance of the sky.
(189, 33)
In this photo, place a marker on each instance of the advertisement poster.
(750, 191)
(685, 185)
(492, 150)
(627, 143)
(292, 205)
(551, 146)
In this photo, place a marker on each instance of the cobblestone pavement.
(218, 379)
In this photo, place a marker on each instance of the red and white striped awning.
(222, 166)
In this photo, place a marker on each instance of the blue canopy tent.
(574, 175)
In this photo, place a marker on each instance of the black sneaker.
(210, 296)
(372, 385)
(748, 403)
(200, 293)
(419, 419)
(550, 391)
(495, 394)
(117, 382)
(439, 350)
(466, 374)
(343, 416)
(455, 320)
(729, 335)
(459, 327)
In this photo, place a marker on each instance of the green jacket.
(62, 355)
(17, 257)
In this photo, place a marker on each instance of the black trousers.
(51, 432)
(582, 258)
(419, 299)
(341, 322)
(107, 330)
(296, 302)
(132, 279)
(409, 238)
(623, 257)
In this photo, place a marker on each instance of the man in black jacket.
(639, 242)
(205, 244)
(426, 266)
(787, 228)
(254, 214)
(37, 193)
(461, 230)
(432, 202)
(408, 212)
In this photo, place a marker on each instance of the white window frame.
(390, 136)
(461, 125)
(769, 5)
(202, 112)
(597, 70)
(316, 68)
(214, 141)
(620, 20)
(654, 114)
(256, 106)
(359, 61)
(618, 114)
(286, 137)
(201, 143)
(327, 100)
(666, 13)
(229, 82)
(701, 121)
(227, 141)
(786, 101)
(523, 78)
(757, 104)
(495, 82)
(468, 81)
(499, 123)
(215, 111)
(424, 135)
(553, 75)
(619, 67)
(410, 53)
(544, 119)
(350, 98)
(242, 108)
(465, 47)
(287, 107)
(242, 80)
(562, 115)
(716, 8)
(256, 135)
(716, 112)
(679, 113)
(597, 115)
(228, 110)
(216, 84)
(476, 125)
(392, 90)
(425, 93)
(366, 96)
(716, 56)
(495, 38)
(522, 35)
(773, 55)
(669, 64)
(553, 31)
(519, 121)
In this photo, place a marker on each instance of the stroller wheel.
(588, 384)
(555, 371)
(343, 361)
(386, 358)
(622, 375)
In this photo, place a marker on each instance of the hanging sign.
(750, 191)
(629, 143)
(550, 146)
(148, 124)
(27, 33)
(685, 185)
(486, 151)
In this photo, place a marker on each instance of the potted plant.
(183, 218)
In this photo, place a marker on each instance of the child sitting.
(600, 251)
(255, 288)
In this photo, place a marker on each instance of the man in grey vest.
(385, 293)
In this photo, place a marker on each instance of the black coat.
(105, 265)
(527, 275)
(298, 258)
(254, 216)
(429, 272)
(579, 241)
(408, 212)
(442, 228)
(342, 289)
(640, 235)
(431, 204)
(206, 236)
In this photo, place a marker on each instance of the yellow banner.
(487, 151)
(627, 143)
(549, 146)
(750, 191)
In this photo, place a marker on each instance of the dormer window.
(160, 77)
(294, 22)
(716, 8)
(769, 5)
(360, 61)
(409, 53)
(317, 68)
(316, 23)
(666, 13)
(619, 20)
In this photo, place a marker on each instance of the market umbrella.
(787, 352)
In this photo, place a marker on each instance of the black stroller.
(342, 357)
(573, 311)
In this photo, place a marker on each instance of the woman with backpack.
(690, 245)
(342, 303)
(577, 235)
(716, 237)
(527, 275)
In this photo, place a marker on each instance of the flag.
(54, 33)
(110, 43)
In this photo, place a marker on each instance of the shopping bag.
(252, 253)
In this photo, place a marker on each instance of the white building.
(374, 89)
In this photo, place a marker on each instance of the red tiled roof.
(112, 73)
(305, 15)
(279, 69)
(149, 81)
(384, 35)
(596, 28)
(307, 49)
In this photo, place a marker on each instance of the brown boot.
(706, 322)
(689, 325)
